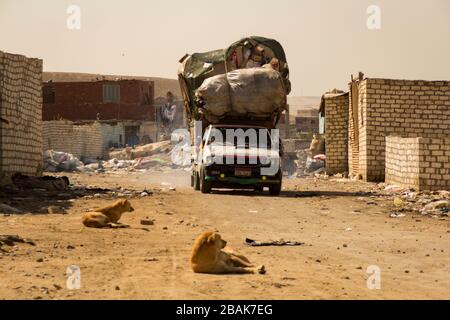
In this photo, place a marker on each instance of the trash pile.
(155, 156)
(55, 161)
(429, 203)
(308, 166)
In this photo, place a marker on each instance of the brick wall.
(406, 108)
(21, 114)
(419, 163)
(91, 140)
(77, 101)
(83, 141)
(336, 132)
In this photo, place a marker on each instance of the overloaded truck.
(234, 99)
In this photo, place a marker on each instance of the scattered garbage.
(432, 203)
(153, 156)
(147, 222)
(441, 207)
(55, 161)
(313, 165)
(278, 243)
(11, 240)
(397, 215)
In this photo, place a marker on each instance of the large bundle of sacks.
(255, 91)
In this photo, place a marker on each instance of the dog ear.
(211, 238)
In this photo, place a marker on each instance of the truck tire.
(196, 181)
(275, 189)
(205, 186)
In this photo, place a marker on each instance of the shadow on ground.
(295, 194)
(14, 201)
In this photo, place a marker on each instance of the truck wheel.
(205, 186)
(275, 189)
(196, 181)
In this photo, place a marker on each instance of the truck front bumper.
(242, 181)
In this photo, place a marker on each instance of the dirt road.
(345, 231)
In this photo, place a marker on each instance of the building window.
(111, 93)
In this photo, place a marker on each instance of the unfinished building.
(379, 108)
(419, 163)
(358, 124)
(334, 107)
(20, 115)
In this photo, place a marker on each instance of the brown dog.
(208, 257)
(108, 216)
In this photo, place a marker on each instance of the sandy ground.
(345, 231)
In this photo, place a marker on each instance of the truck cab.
(237, 157)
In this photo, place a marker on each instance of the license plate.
(242, 172)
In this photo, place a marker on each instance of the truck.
(233, 100)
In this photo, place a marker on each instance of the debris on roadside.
(429, 203)
(278, 243)
(157, 156)
(147, 222)
(11, 240)
(397, 215)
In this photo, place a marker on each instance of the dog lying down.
(208, 257)
(108, 217)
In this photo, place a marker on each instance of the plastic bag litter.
(312, 165)
(55, 161)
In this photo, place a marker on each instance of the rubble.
(154, 156)
(56, 161)
(429, 203)
(278, 243)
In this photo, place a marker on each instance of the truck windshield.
(241, 137)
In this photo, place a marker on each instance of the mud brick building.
(379, 108)
(419, 163)
(20, 115)
(334, 108)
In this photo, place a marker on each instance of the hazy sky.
(325, 40)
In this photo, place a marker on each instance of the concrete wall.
(21, 114)
(406, 108)
(336, 132)
(419, 163)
